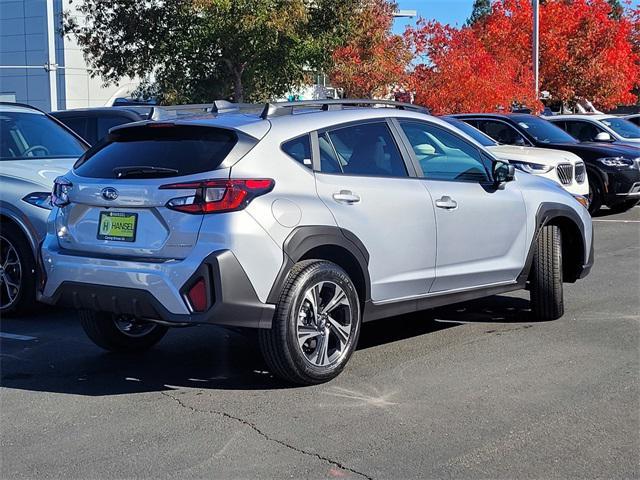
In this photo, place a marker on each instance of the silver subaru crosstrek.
(302, 221)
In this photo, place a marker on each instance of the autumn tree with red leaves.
(586, 52)
(373, 59)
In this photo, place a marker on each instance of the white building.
(40, 67)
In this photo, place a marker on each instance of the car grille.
(565, 173)
(581, 172)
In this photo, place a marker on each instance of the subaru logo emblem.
(109, 193)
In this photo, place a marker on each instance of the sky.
(454, 12)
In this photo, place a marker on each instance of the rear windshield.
(166, 150)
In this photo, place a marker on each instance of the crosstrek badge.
(117, 226)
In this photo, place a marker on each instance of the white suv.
(302, 221)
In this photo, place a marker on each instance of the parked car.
(613, 170)
(635, 118)
(93, 124)
(599, 128)
(564, 168)
(34, 149)
(302, 222)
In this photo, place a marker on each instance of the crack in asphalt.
(268, 437)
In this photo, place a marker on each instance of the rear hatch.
(116, 205)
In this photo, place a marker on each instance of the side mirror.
(603, 137)
(503, 172)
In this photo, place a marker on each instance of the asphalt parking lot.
(470, 391)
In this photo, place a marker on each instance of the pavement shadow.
(62, 360)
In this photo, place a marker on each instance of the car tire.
(316, 324)
(546, 275)
(17, 272)
(624, 206)
(108, 331)
(595, 194)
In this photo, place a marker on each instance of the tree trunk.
(238, 89)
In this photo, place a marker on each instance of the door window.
(108, 122)
(443, 155)
(365, 149)
(501, 132)
(583, 131)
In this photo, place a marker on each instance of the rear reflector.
(197, 295)
(218, 196)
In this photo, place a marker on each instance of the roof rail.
(277, 109)
(164, 112)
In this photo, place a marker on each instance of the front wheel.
(316, 325)
(17, 272)
(595, 194)
(120, 333)
(547, 301)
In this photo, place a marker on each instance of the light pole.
(536, 47)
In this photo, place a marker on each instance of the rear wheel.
(546, 275)
(120, 333)
(17, 272)
(624, 206)
(316, 324)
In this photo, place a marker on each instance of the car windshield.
(29, 136)
(622, 127)
(543, 131)
(474, 133)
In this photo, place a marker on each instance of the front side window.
(444, 156)
(299, 149)
(25, 136)
(583, 131)
(365, 149)
(501, 132)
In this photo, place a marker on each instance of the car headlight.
(582, 200)
(534, 168)
(616, 162)
(39, 199)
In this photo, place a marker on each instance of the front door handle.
(346, 196)
(447, 203)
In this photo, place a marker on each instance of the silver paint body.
(19, 178)
(415, 248)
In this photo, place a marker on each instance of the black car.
(92, 124)
(635, 118)
(613, 170)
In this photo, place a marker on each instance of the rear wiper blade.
(143, 171)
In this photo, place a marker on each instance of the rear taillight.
(60, 193)
(197, 296)
(218, 196)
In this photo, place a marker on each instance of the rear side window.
(80, 125)
(105, 123)
(299, 149)
(177, 150)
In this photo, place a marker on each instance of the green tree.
(198, 50)
(481, 9)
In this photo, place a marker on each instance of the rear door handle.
(446, 202)
(346, 196)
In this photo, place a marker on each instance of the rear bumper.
(233, 300)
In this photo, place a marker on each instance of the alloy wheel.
(324, 324)
(10, 274)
